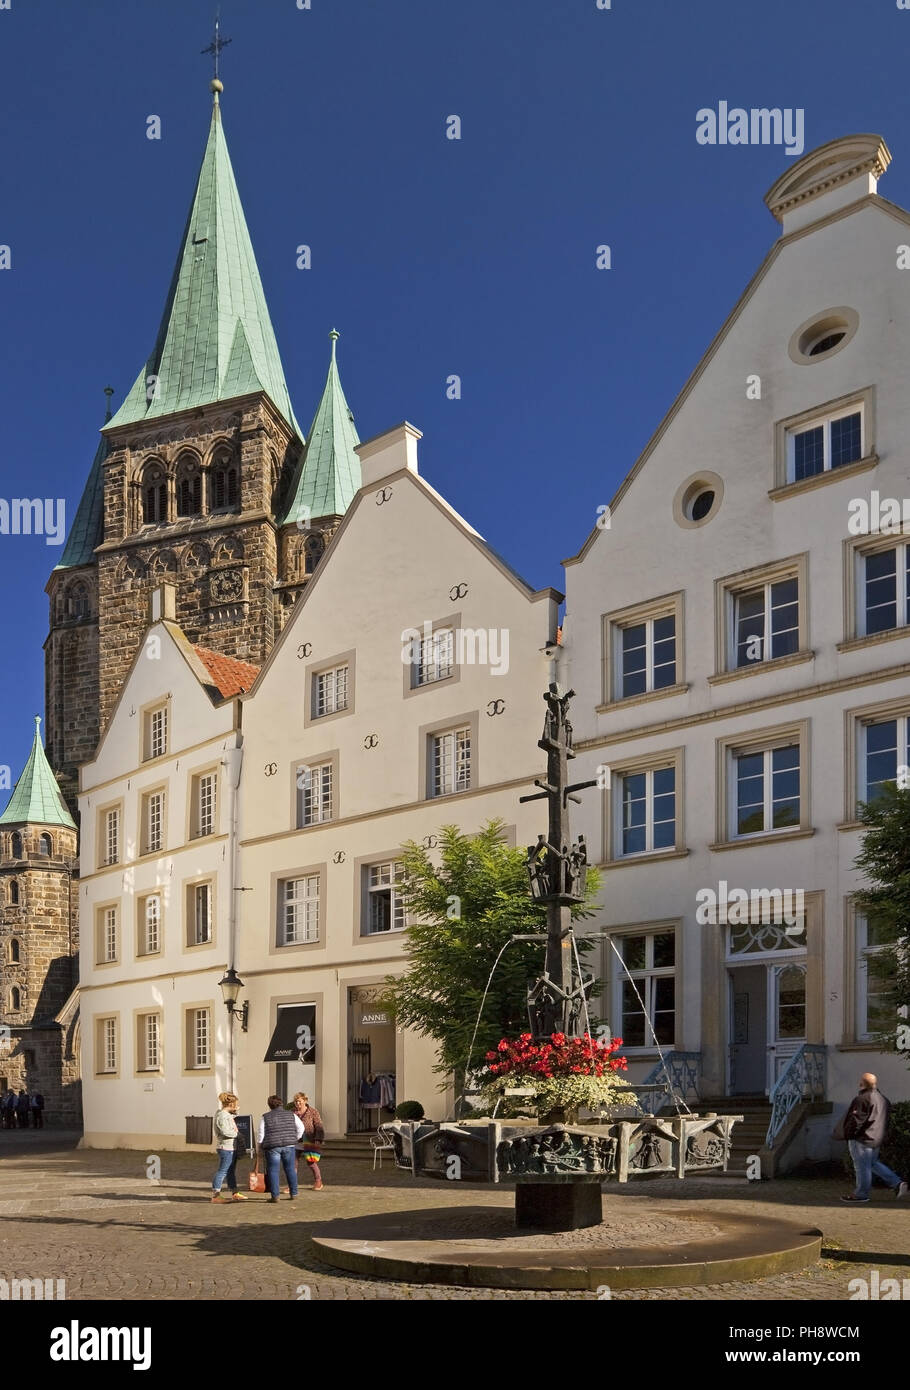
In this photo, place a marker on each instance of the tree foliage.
(461, 915)
(885, 861)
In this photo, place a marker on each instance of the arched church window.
(45, 844)
(189, 487)
(78, 606)
(311, 554)
(15, 845)
(154, 495)
(15, 999)
(13, 893)
(14, 951)
(225, 492)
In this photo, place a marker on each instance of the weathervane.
(217, 43)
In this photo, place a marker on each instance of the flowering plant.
(566, 1072)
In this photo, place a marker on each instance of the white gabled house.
(740, 649)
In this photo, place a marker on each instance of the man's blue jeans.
(275, 1160)
(865, 1162)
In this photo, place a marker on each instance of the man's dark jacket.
(866, 1119)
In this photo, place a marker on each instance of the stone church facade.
(202, 480)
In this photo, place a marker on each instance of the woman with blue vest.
(279, 1130)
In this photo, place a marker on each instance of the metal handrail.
(672, 1079)
(805, 1072)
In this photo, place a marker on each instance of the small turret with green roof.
(328, 474)
(36, 798)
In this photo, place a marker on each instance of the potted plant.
(563, 1073)
(409, 1110)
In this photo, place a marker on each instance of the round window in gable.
(823, 335)
(698, 499)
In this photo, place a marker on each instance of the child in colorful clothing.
(314, 1136)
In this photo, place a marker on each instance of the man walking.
(279, 1130)
(23, 1106)
(38, 1110)
(865, 1127)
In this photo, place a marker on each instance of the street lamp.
(230, 985)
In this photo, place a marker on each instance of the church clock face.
(226, 586)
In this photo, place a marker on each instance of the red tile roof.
(229, 675)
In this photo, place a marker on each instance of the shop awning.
(294, 1038)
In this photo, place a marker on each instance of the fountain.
(558, 1168)
(559, 1237)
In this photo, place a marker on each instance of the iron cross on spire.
(217, 43)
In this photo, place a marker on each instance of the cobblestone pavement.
(95, 1219)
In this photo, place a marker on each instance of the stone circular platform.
(480, 1247)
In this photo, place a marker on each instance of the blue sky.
(431, 256)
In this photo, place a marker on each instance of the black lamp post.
(230, 985)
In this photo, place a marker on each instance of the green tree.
(885, 861)
(462, 914)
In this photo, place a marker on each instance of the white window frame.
(824, 421)
(380, 879)
(316, 798)
(648, 774)
(764, 586)
(109, 1059)
(205, 804)
(156, 722)
(330, 692)
(437, 657)
(902, 566)
(647, 974)
(150, 924)
(109, 935)
(112, 836)
(149, 1042)
(299, 904)
(153, 801)
(863, 953)
(201, 892)
(902, 734)
(450, 751)
(648, 623)
(767, 751)
(200, 1040)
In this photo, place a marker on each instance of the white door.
(786, 1016)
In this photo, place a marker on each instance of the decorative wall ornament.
(458, 591)
(383, 495)
(304, 650)
(271, 769)
(495, 707)
(430, 841)
(338, 857)
(371, 741)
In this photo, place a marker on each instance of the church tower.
(202, 479)
(39, 927)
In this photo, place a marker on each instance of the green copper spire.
(36, 797)
(328, 474)
(216, 339)
(88, 523)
